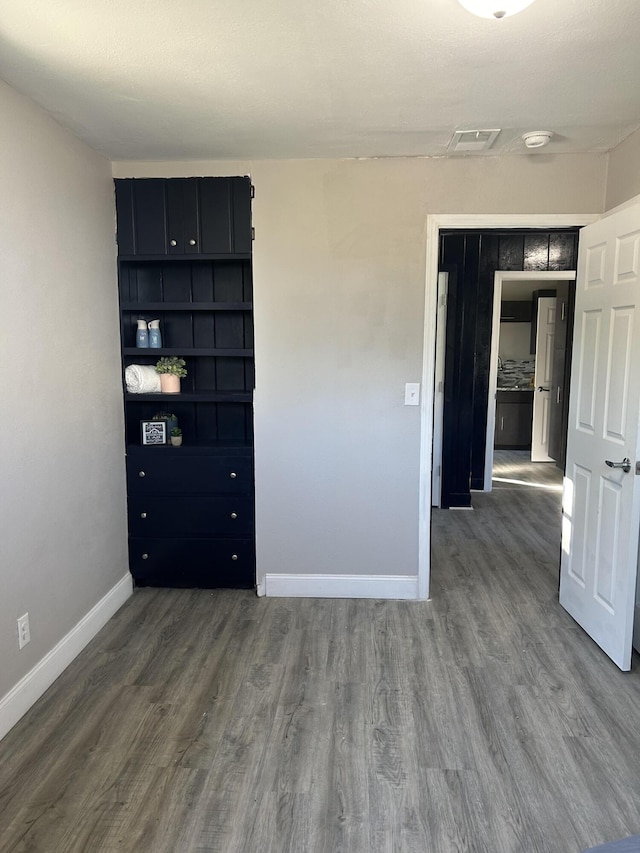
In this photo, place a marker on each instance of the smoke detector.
(537, 138)
(472, 141)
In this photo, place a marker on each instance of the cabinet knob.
(141, 474)
(234, 556)
(234, 515)
(145, 556)
(233, 475)
(192, 242)
(173, 242)
(143, 515)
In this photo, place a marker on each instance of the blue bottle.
(142, 335)
(155, 339)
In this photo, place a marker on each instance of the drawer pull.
(143, 515)
(145, 556)
(173, 242)
(192, 242)
(141, 474)
(234, 515)
(233, 475)
(234, 556)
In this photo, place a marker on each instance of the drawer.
(170, 472)
(203, 563)
(199, 517)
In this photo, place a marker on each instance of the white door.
(545, 334)
(601, 504)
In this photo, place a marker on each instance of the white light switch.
(412, 394)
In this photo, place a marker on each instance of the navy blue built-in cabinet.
(184, 257)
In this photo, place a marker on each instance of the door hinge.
(253, 191)
(253, 233)
(637, 469)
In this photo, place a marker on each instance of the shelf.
(186, 306)
(193, 397)
(187, 352)
(194, 447)
(239, 256)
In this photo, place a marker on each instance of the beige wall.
(63, 542)
(339, 271)
(623, 176)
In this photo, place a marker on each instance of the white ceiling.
(159, 79)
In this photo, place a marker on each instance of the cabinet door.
(216, 223)
(225, 215)
(183, 216)
(513, 424)
(149, 207)
(241, 200)
(140, 206)
(515, 312)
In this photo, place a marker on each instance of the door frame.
(499, 277)
(461, 222)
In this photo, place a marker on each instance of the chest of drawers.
(191, 517)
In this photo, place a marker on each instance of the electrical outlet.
(24, 633)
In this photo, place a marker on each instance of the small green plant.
(176, 431)
(172, 364)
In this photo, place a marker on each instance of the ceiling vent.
(472, 141)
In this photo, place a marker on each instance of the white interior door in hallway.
(545, 335)
(601, 498)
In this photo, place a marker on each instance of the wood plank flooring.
(483, 721)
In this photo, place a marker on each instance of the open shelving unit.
(185, 260)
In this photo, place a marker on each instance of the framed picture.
(153, 432)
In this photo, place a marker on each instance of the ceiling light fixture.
(537, 138)
(495, 8)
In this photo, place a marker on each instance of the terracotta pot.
(169, 384)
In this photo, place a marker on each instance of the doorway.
(434, 226)
(525, 388)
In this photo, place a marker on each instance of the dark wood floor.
(483, 721)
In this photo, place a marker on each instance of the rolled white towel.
(142, 379)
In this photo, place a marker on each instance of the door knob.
(542, 388)
(625, 464)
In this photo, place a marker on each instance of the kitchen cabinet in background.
(514, 419)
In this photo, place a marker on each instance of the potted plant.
(171, 369)
(176, 437)
(169, 417)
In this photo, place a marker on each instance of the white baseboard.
(636, 628)
(342, 586)
(29, 689)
